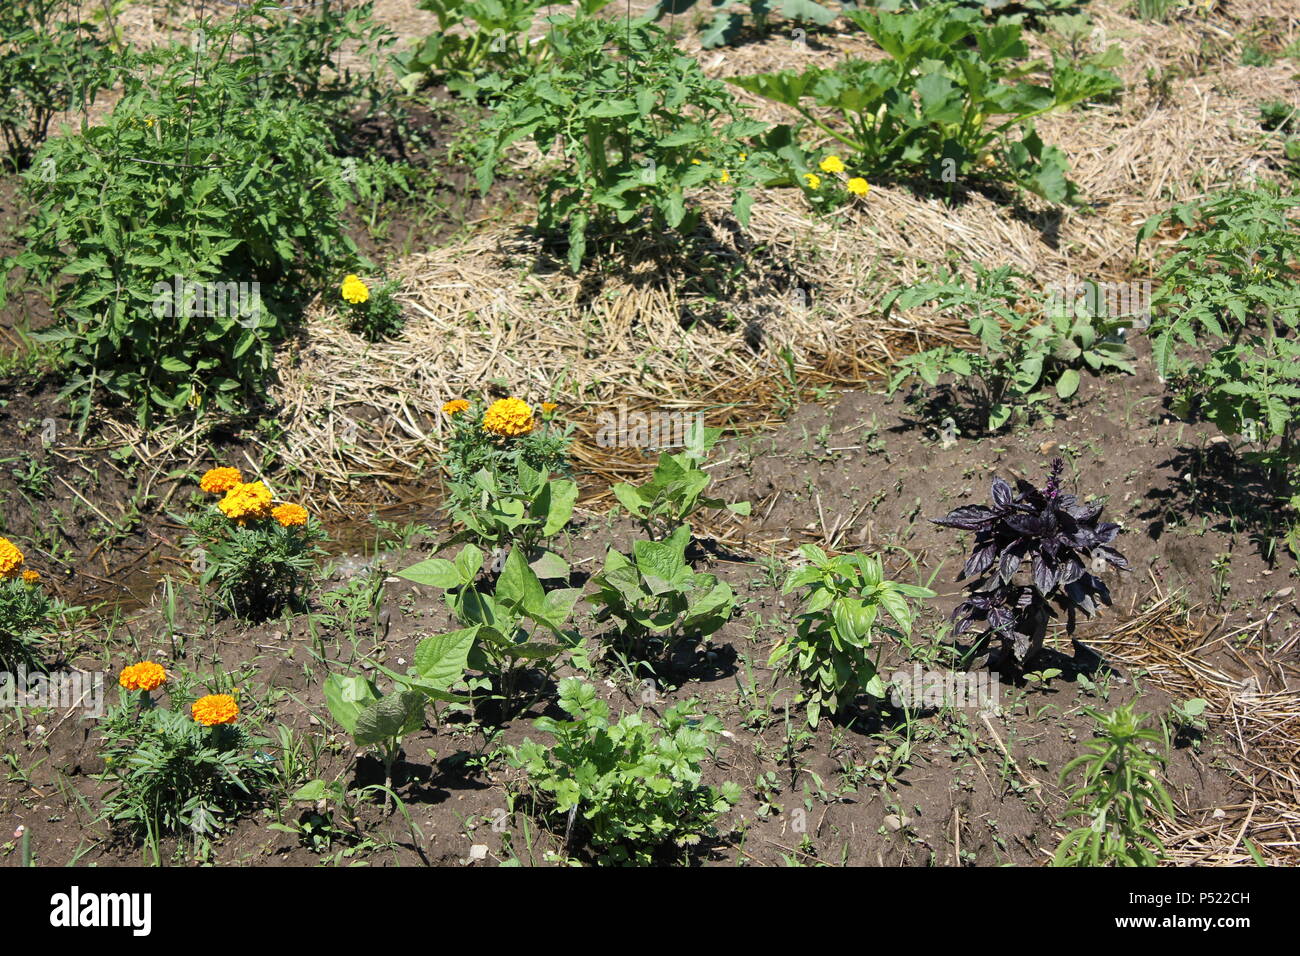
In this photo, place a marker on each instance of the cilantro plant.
(1231, 288)
(655, 598)
(675, 491)
(833, 651)
(1032, 549)
(635, 127)
(1028, 342)
(951, 102)
(1120, 791)
(52, 62)
(626, 791)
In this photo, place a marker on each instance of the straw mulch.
(656, 328)
(1253, 702)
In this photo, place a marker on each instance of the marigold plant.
(257, 554)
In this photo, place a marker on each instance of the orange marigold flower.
(145, 676)
(289, 515)
(11, 559)
(219, 480)
(509, 417)
(214, 709)
(455, 406)
(246, 501)
(31, 577)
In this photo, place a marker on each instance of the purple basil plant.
(1032, 548)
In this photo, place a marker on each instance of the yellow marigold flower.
(813, 180)
(509, 417)
(290, 515)
(832, 164)
(245, 501)
(548, 407)
(354, 290)
(744, 156)
(858, 186)
(220, 480)
(31, 577)
(214, 709)
(146, 676)
(695, 162)
(725, 177)
(455, 406)
(11, 559)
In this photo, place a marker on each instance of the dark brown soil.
(965, 787)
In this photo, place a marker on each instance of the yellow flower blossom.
(858, 186)
(832, 164)
(455, 406)
(813, 180)
(214, 709)
(31, 577)
(290, 515)
(246, 501)
(145, 676)
(220, 480)
(354, 290)
(509, 417)
(11, 559)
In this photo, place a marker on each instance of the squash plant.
(952, 101)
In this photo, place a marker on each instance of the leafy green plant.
(169, 775)
(1188, 719)
(626, 790)
(1229, 288)
(182, 236)
(637, 126)
(52, 62)
(833, 651)
(516, 625)
(730, 16)
(675, 491)
(1028, 342)
(945, 103)
(1119, 791)
(476, 38)
(657, 600)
